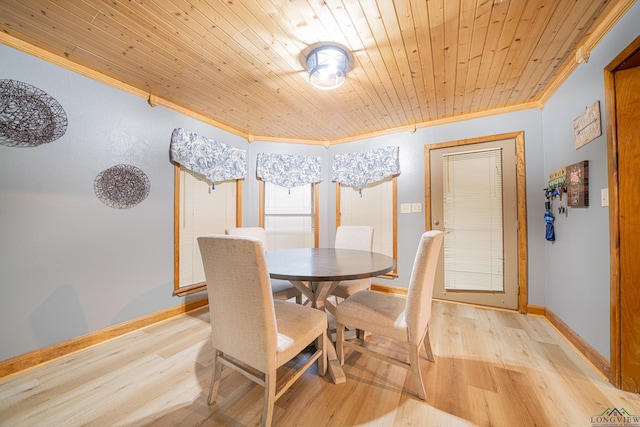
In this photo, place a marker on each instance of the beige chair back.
(257, 232)
(359, 237)
(240, 300)
(281, 289)
(419, 297)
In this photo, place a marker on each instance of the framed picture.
(586, 127)
(578, 184)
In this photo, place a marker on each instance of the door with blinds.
(474, 202)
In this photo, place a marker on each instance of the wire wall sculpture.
(121, 186)
(28, 115)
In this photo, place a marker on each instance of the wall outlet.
(405, 208)
(416, 207)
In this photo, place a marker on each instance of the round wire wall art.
(28, 115)
(121, 186)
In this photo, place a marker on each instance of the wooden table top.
(326, 264)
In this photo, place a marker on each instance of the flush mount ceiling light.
(327, 66)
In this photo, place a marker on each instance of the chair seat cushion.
(375, 312)
(347, 288)
(297, 325)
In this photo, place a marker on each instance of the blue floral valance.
(365, 167)
(288, 170)
(215, 160)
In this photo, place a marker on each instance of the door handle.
(436, 222)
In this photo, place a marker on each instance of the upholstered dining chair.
(281, 289)
(358, 237)
(250, 332)
(395, 317)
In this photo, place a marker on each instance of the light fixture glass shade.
(327, 66)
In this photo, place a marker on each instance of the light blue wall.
(70, 265)
(577, 263)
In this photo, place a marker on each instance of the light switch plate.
(604, 197)
(405, 208)
(416, 207)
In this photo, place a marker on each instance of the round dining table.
(315, 272)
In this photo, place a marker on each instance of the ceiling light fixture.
(327, 66)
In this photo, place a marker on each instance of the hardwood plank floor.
(493, 368)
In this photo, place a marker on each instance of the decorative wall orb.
(29, 116)
(121, 186)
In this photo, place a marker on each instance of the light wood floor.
(493, 368)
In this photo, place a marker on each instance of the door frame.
(521, 195)
(615, 371)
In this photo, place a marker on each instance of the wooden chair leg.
(427, 347)
(215, 378)
(321, 343)
(414, 361)
(269, 398)
(340, 343)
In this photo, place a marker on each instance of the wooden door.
(505, 293)
(627, 117)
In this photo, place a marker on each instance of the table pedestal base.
(317, 293)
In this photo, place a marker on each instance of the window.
(289, 216)
(373, 205)
(199, 210)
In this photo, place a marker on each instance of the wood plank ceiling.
(239, 64)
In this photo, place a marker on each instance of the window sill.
(191, 289)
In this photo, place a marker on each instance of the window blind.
(202, 211)
(473, 244)
(289, 216)
(373, 206)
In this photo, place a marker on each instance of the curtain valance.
(215, 160)
(361, 168)
(288, 170)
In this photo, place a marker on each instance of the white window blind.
(372, 206)
(473, 243)
(203, 210)
(289, 216)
